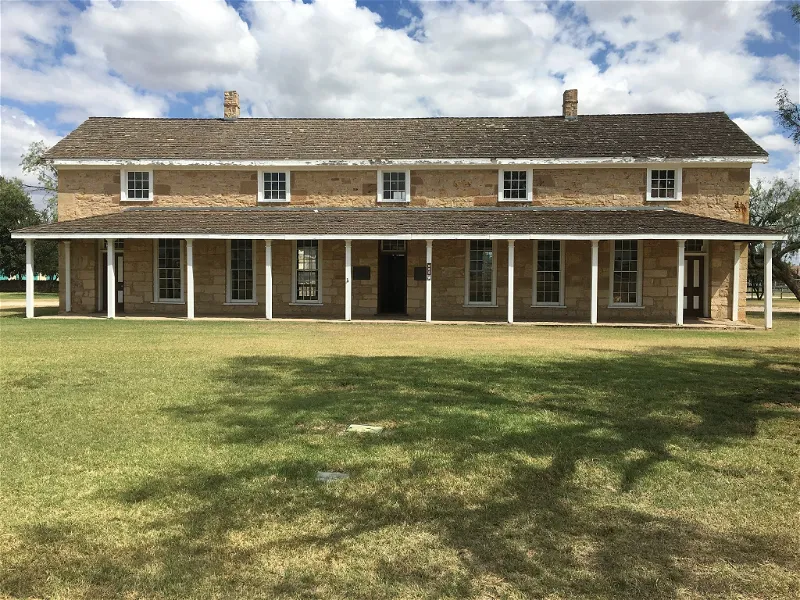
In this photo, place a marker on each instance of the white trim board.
(417, 162)
(409, 236)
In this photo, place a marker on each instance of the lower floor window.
(480, 272)
(549, 264)
(169, 270)
(240, 271)
(307, 271)
(625, 277)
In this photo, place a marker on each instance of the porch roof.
(399, 223)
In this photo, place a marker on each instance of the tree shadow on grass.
(496, 478)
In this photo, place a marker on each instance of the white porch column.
(67, 277)
(28, 278)
(768, 285)
(510, 281)
(268, 279)
(737, 264)
(348, 279)
(111, 298)
(681, 282)
(428, 276)
(190, 279)
(595, 279)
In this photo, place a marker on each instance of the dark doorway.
(695, 283)
(392, 277)
(119, 278)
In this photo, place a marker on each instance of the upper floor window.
(393, 186)
(549, 280)
(274, 186)
(626, 273)
(515, 186)
(137, 186)
(481, 280)
(664, 184)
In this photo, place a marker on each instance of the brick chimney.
(232, 105)
(570, 106)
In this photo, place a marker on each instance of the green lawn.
(177, 459)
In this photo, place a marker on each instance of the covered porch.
(531, 265)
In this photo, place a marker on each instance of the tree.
(46, 174)
(788, 115)
(16, 211)
(776, 207)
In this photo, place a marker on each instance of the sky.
(62, 61)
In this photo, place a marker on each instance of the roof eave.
(376, 163)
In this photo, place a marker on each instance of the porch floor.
(688, 324)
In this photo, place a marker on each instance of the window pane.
(307, 274)
(481, 269)
(626, 272)
(515, 185)
(274, 186)
(138, 185)
(662, 183)
(394, 186)
(548, 272)
(169, 269)
(241, 272)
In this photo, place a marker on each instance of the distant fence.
(18, 285)
(777, 292)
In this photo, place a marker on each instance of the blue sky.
(64, 61)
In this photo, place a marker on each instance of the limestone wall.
(713, 191)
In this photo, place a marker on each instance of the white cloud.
(17, 132)
(182, 45)
(334, 58)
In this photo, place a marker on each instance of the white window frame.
(678, 183)
(528, 186)
(318, 301)
(639, 264)
(261, 198)
(380, 186)
(467, 301)
(229, 279)
(123, 185)
(560, 303)
(156, 299)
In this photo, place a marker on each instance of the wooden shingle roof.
(636, 136)
(408, 223)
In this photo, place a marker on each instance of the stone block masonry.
(659, 280)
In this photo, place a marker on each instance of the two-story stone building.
(595, 218)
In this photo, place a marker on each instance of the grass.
(177, 460)
(20, 296)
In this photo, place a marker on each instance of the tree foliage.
(46, 175)
(776, 207)
(16, 211)
(788, 113)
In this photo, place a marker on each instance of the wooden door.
(693, 291)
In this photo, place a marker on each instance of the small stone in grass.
(354, 428)
(328, 476)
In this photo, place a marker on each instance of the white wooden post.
(737, 264)
(29, 278)
(595, 279)
(268, 279)
(111, 297)
(768, 285)
(428, 278)
(510, 281)
(681, 282)
(190, 279)
(67, 277)
(348, 280)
